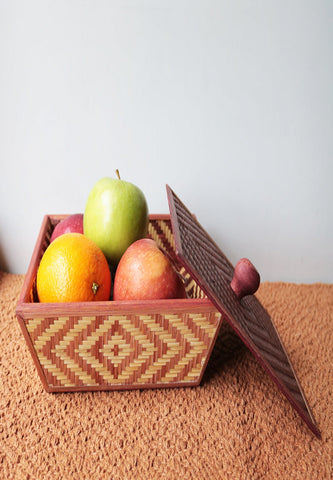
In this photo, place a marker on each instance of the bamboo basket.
(85, 346)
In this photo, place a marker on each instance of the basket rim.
(114, 307)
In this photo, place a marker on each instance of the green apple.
(115, 216)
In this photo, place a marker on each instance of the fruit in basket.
(116, 215)
(71, 224)
(73, 269)
(146, 273)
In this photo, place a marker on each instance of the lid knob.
(246, 279)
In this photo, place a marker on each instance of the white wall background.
(229, 102)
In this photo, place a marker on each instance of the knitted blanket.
(235, 425)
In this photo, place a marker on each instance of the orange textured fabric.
(235, 425)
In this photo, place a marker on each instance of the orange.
(73, 269)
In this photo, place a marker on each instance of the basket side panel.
(122, 351)
(31, 347)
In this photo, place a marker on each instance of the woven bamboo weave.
(122, 349)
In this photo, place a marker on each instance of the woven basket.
(118, 345)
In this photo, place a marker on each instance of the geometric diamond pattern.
(123, 350)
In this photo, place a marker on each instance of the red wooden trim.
(28, 309)
(129, 386)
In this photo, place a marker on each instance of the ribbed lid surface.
(210, 268)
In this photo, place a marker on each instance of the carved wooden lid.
(232, 290)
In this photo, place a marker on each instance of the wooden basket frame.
(198, 314)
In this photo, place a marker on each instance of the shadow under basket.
(113, 345)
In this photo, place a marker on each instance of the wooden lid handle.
(246, 279)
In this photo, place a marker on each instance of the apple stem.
(118, 175)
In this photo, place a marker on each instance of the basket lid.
(232, 290)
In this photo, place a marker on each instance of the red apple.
(71, 224)
(145, 273)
